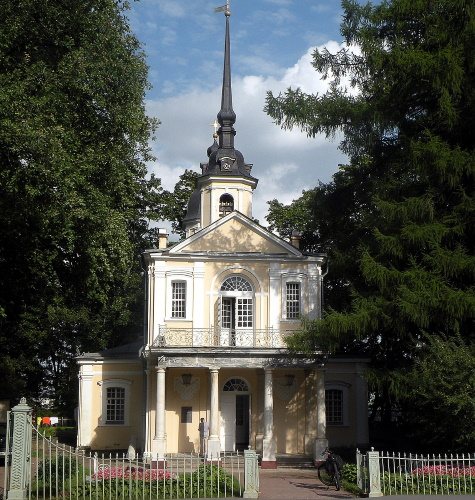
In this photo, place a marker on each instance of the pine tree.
(409, 127)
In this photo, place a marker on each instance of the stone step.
(295, 461)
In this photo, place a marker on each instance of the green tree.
(74, 199)
(440, 395)
(176, 202)
(409, 131)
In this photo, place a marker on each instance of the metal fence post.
(374, 474)
(21, 445)
(251, 475)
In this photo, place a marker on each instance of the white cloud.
(171, 8)
(285, 162)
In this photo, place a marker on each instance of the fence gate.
(39, 468)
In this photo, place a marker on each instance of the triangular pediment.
(235, 233)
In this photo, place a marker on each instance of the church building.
(219, 306)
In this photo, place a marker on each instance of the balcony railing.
(221, 337)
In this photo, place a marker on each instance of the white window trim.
(184, 277)
(104, 385)
(293, 278)
(344, 388)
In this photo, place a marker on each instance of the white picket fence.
(414, 474)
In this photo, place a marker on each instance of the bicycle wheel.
(325, 477)
(336, 479)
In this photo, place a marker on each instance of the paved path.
(295, 484)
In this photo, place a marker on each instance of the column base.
(269, 464)
(214, 448)
(159, 448)
(259, 445)
(309, 444)
(268, 453)
(321, 444)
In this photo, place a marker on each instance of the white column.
(85, 424)
(214, 446)
(148, 422)
(198, 302)
(275, 301)
(159, 297)
(321, 442)
(160, 441)
(150, 304)
(268, 443)
(310, 412)
(314, 291)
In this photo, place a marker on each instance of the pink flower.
(117, 472)
(444, 470)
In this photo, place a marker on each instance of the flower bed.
(117, 472)
(443, 470)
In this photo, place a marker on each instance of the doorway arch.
(235, 414)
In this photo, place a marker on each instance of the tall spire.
(226, 116)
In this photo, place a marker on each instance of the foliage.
(208, 481)
(176, 202)
(349, 480)
(74, 199)
(410, 484)
(440, 395)
(400, 221)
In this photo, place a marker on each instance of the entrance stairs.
(295, 461)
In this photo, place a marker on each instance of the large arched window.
(226, 204)
(236, 311)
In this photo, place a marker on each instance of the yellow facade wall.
(112, 437)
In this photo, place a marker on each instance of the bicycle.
(329, 472)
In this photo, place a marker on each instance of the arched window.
(236, 385)
(226, 204)
(236, 284)
(236, 311)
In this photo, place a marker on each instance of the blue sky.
(271, 46)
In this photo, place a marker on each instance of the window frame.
(114, 384)
(178, 301)
(292, 300)
(343, 388)
(296, 278)
(174, 276)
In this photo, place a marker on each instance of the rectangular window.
(186, 415)
(115, 409)
(179, 299)
(334, 406)
(244, 313)
(292, 300)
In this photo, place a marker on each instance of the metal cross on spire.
(224, 8)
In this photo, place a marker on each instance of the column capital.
(160, 369)
(214, 370)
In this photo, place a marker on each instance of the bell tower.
(225, 183)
